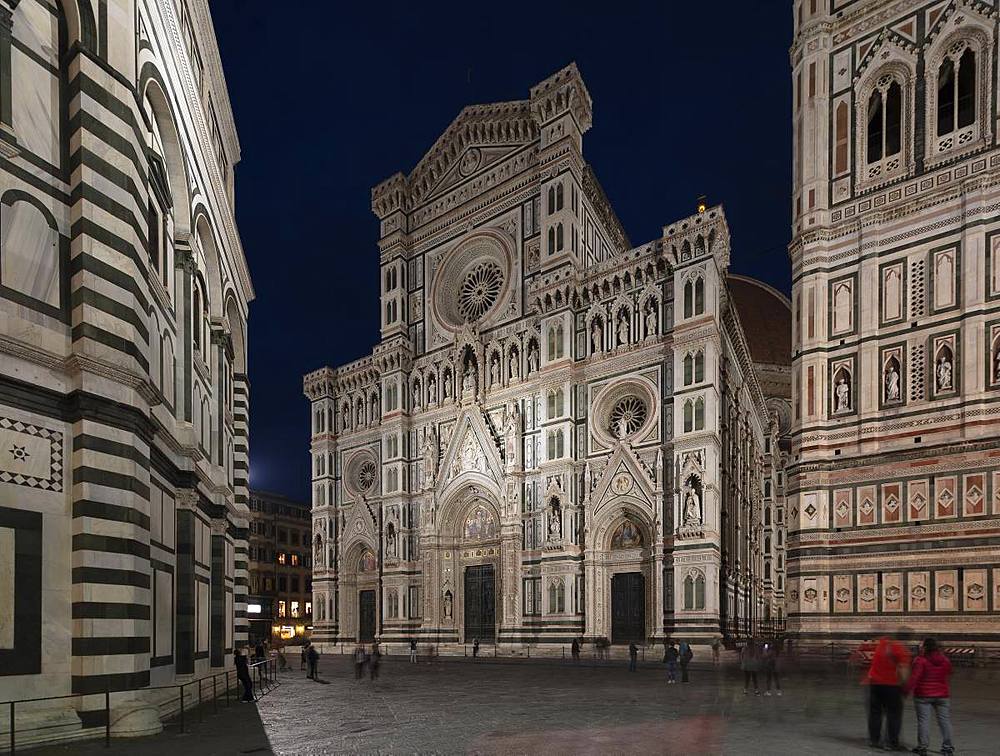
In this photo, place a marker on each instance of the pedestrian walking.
(686, 655)
(575, 650)
(313, 662)
(242, 662)
(750, 664)
(885, 691)
(475, 648)
(633, 655)
(716, 647)
(413, 651)
(670, 656)
(260, 652)
(359, 661)
(282, 660)
(304, 656)
(931, 692)
(373, 661)
(770, 662)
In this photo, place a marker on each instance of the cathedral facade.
(894, 494)
(123, 392)
(558, 435)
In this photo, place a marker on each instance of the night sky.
(330, 98)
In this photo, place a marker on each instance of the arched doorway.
(480, 538)
(359, 593)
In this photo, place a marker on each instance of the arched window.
(699, 592)
(688, 416)
(552, 200)
(699, 296)
(699, 367)
(689, 593)
(699, 413)
(956, 93)
(688, 370)
(885, 120)
(555, 341)
(552, 240)
(843, 137)
(559, 237)
(688, 299)
(559, 197)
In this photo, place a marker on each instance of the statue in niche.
(692, 507)
(651, 320)
(432, 394)
(318, 552)
(512, 426)
(596, 336)
(430, 457)
(469, 382)
(892, 383)
(390, 541)
(416, 395)
(943, 373)
(532, 358)
(446, 385)
(495, 371)
(555, 522)
(515, 368)
(447, 604)
(843, 395)
(623, 333)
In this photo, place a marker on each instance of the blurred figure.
(750, 664)
(575, 650)
(242, 662)
(671, 656)
(313, 656)
(475, 648)
(770, 660)
(929, 685)
(260, 651)
(373, 661)
(282, 660)
(304, 656)
(359, 661)
(885, 692)
(413, 651)
(686, 655)
(716, 648)
(633, 655)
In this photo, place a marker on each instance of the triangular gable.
(934, 14)
(471, 449)
(886, 46)
(360, 522)
(503, 125)
(474, 160)
(907, 30)
(624, 477)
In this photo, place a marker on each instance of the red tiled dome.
(766, 315)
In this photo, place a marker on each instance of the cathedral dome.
(766, 316)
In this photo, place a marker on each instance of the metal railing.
(263, 678)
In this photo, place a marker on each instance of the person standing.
(929, 685)
(475, 648)
(686, 655)
(885, 692)
(633, 655)
(750, 664)
(374, 660)
(313, 663)
(670, 656)
(770, 661)
(304, 656)
(716, 647)
(260, 651)
(413, 650)
(242, 662)
(359, 661)
(575, 650)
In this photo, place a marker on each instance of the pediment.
(472, 449)
(624, 477)
(480, 136)
(360, 523)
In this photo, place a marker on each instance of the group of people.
(675, 656)
(760, 657)
(372, 658)
(894, 674)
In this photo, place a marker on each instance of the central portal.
(366, 616)
(480, 611)
(628, 607)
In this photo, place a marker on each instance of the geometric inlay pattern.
(30, 456)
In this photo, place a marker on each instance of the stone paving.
(553, 707)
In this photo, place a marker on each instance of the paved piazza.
(461, 706)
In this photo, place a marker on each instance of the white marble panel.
(29, 252)
(35, 107)
(7, 588)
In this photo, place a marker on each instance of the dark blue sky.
(330, 98)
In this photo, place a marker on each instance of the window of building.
(956, 94)
(281, 557)
(282, 584)
(295, 560)
(281, 609)
(295, 585)
(885, 120)
(295, 608)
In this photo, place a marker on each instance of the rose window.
(479, 291)
(628, 416)
(366, 475)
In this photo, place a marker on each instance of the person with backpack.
(750, 664)
(633, 655)
(686, 655)
(670, 656)
(885, 691)
(931, 692)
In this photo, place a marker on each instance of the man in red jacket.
(885, 693)
(929, 684)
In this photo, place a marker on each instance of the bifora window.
(956, 93)
(885, 120)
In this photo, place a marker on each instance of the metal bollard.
(215, 696)
(107, 717)
(12, 727)
(201, 712)
(182, 708)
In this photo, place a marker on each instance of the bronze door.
(366, 616)
(628, 607)
(480, 612)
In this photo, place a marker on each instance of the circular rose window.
(479, 292)
(628, 415)
(366, 475)
(361, 473)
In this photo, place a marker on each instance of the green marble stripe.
(86, 296)
(84, 261)
(110, 544)
(100, 510)
(105, 576)
(109, 610)
(110, 646)
(88, 331)
(93, 195)
(90, 684)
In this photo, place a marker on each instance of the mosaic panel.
(974, 591)
(945, 590)
(868, 592)
(30, 456)
(892, 592)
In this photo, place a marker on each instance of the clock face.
(622, 483)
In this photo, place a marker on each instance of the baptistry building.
(559, 434)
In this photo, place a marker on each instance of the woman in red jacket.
(929, 684)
